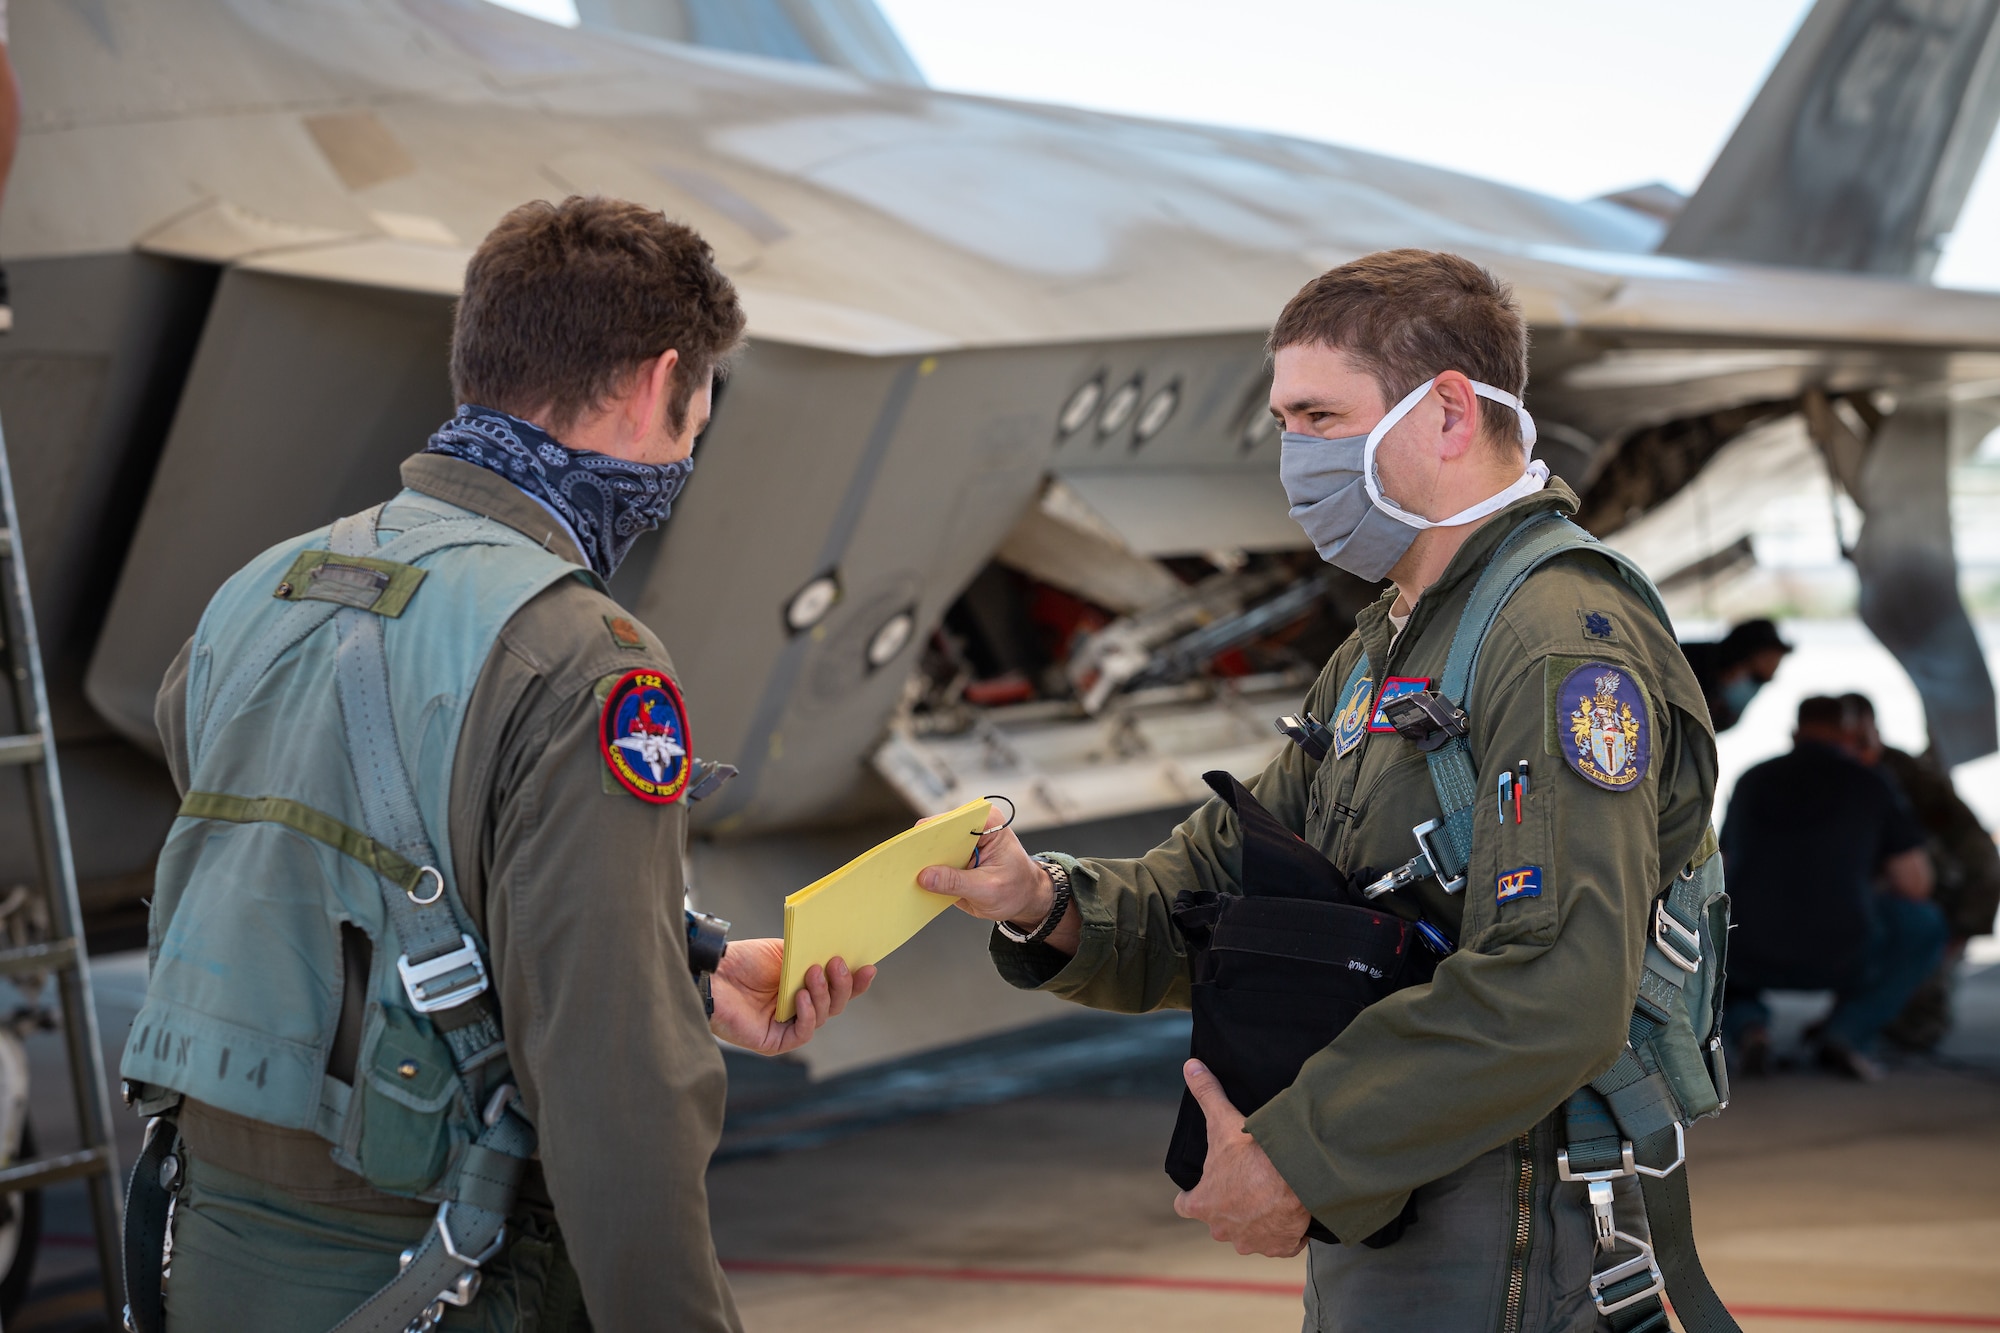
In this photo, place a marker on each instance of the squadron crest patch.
(643, 733)
(1608, 736)
(1351, 722)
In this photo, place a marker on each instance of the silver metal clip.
(1642, 1262)
(451, 1246)
(1684, 951)
(461, 1292)
(1626, 1166)
(1423, 833)
(1600, 1214)
(1401, 877)
(444, 981)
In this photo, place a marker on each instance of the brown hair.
(563, 302)
(1410, 314)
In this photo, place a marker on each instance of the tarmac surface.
(1015, 1184)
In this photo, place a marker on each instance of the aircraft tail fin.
(1858, 152)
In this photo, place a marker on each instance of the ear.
(654, 383)
(1460, 430)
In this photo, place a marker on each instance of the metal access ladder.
(33, 752)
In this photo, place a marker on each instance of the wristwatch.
(1059, 878)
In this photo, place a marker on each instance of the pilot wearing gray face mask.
(1337, 497)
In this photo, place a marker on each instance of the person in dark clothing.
(1830, 888)
(1732, 670)
(1966, 863)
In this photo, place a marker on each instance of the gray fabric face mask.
(1337, 501)
(1323, 481)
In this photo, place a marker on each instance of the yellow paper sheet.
(869, 907)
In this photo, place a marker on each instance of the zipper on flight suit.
(1517, 1263)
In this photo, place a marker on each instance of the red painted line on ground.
(1035, 1277)
(1055, 1278)
(1867, 1316)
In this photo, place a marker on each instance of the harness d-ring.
(411, 892)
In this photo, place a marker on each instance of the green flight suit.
(578, 889)
(1537, 998)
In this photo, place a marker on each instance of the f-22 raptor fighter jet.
(991, 502)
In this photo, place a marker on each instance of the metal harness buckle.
(1426, 864)
(1642, 1262)
(445, 981)
(451, 1247)
(1685, 951)
(1626, 1166)
(1423, 833)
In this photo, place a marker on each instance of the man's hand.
(1241, 1195)
(1909, 875)
(746, 997)
(1007, 885)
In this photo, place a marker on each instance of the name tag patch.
(1522, 882)
(1395, 687)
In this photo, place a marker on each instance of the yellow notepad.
(865, 910)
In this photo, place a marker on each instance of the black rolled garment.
(1279, 972)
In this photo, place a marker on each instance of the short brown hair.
(1410, 314)
(563, 302)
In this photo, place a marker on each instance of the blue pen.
(1506, 785)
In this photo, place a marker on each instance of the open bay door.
(1137, 629)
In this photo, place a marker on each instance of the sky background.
(1574, 98)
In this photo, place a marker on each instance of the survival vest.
(326, 691)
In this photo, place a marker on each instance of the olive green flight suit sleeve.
(1130, 958)
(170, 717)
(580, 888)
(1537, 999)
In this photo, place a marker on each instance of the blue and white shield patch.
(1607, 728)
(1351, 722)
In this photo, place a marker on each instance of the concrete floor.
(1821, 1205)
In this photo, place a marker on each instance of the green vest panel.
(279, 843)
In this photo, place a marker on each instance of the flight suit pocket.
(407, 1089)
(1511, 898)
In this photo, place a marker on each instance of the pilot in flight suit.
(1447, 1093)
(544, 740)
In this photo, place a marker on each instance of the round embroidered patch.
(1609, 737)
(644, 736)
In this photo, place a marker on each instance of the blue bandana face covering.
(609, 503)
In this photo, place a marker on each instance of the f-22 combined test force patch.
(643, 733)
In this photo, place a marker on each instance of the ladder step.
(52, 1170)
(37, 957)
(20, 750)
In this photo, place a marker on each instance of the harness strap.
(1533, 544)
(149, 1196)
(470, 1229)
(430, 927)
(1631, 1103)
